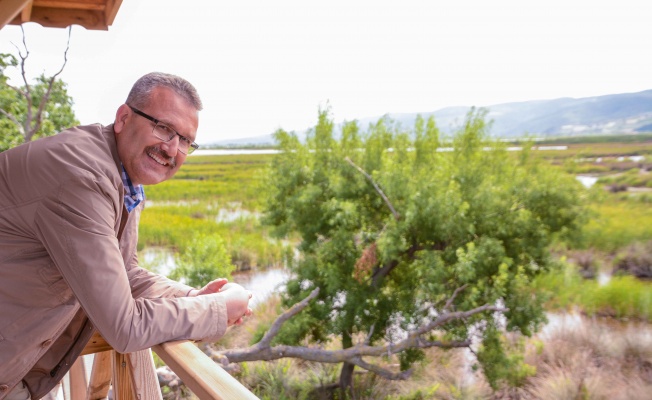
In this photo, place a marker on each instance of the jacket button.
(46, 343)
(4, 388)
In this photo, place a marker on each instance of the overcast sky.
(264, 65)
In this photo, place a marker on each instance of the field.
(601, 281)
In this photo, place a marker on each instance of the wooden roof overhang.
(91, 14)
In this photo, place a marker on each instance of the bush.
(636, 260)
(588, 265)
(204, 259)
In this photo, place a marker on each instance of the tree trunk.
(346, 375)
(346, 379)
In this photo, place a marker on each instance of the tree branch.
(449, 303)
(38, 119)
(12, 118)
(378, 189)
(387, 374)
(27, 93)
(289, 313)
(380, 273)
(262, 351)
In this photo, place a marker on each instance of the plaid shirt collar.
(134, 195)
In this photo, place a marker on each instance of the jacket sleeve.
(77, 227)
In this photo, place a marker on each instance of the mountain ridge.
(624, 113)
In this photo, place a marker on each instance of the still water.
(261, 283)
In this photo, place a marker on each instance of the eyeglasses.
(165, 133)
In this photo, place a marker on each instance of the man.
(69, 210)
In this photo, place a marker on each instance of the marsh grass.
(212, 195)
(622, 297)
(617, 222)
(217, 179)
(587, 150)
(634, 177)
(591, 361)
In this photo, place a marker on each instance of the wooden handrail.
(200, 373)
(206, 379)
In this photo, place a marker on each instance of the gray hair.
(142, 89)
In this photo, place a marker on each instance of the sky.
(264, 65)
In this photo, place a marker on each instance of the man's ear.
(121, 117)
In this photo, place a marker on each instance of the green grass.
(204, 189)
(218, 179)
(592, 150)
(623, 297)
(584, 140)
(617, 222)
(633, 178)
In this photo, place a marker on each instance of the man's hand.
(213, 286)
(237, 302)
(237, 298)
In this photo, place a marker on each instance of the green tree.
(32, 110)
(411, 245)
(202, 260)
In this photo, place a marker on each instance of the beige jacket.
(68, 263)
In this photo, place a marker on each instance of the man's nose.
(171, 147)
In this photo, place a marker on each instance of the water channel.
(262, 283)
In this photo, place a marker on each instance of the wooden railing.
(133, 375)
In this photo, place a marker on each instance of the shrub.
(636, 260)
(205, 258)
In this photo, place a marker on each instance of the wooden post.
(143, 373)
(122, 389)
(98, 387)
(134, 376)
(77, 380)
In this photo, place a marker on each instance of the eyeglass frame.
(192, 146)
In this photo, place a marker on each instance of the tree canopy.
(406, 238)
(32, 110)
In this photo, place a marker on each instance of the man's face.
(147, 159)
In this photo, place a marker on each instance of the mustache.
(165, 156)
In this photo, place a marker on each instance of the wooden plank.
(122, 389)
(111, 10)
(97, 344)
(73, 5)
(62, 18)
(98, 386)
(77, 380)
(205, 378)
(10, 9)
(26, 14)
(144, 378)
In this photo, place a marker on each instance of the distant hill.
(600, 115)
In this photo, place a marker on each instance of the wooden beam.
(62, 18)
(96, 344)
(73, 5)
(9, 9)
(77, 380)
(111, 10)
(205, 378)
(26, 14)
(98, 387)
